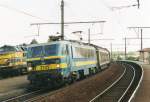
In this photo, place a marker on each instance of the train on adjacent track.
(12, 60)
(64, 61)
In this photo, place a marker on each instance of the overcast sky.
(17, 15)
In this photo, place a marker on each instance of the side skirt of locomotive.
(52, 78)
(11, 71)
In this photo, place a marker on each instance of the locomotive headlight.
(58, 65)
(10, 64)
(29, 68)
(57, 62)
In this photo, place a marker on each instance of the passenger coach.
(64, 61)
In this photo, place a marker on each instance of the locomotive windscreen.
(46, 50)
(51, 50)
(35, 52)
(7, 49)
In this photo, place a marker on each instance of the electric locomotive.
(12, 60)
(64, 61)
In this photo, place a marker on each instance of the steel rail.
(130, 87)
(109, 86)
(139, 84)
(39, 98)
(44, 95)
(129, 84)
(22, 96)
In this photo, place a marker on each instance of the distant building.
(145, 55)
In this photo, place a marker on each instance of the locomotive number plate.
(43, 67)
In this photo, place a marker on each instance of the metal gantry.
(141, 29)
(62, 22)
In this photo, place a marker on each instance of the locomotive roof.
(68, 42)
(48, 43)
(56, 42)
(9, 48)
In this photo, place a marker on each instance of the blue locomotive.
(64, 61)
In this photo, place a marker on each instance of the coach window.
(82, 53)
(77, 52)
(89, 53)
(92, 54)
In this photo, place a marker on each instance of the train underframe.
(54, 78)
(12, 71)
(50, 78)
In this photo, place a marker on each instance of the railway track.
(26, 96)
(41, 97)
(33, 94)
(123, 88)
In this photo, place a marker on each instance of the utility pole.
(142, 44)
(89, 36)
(111, 51)
(125, 48)
(141, 39)
(138, 1)
(62, 20)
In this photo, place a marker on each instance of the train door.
(98, 59)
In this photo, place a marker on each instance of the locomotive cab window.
(47, 50)
(51, 50)
(6, 49)
(35, 52)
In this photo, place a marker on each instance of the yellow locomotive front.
(12, 60)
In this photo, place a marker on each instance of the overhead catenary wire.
(82, 22)
(116, 18)
(22, 12)
(136, 3)
(56, 23)
(99, 39)
(121, 7)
